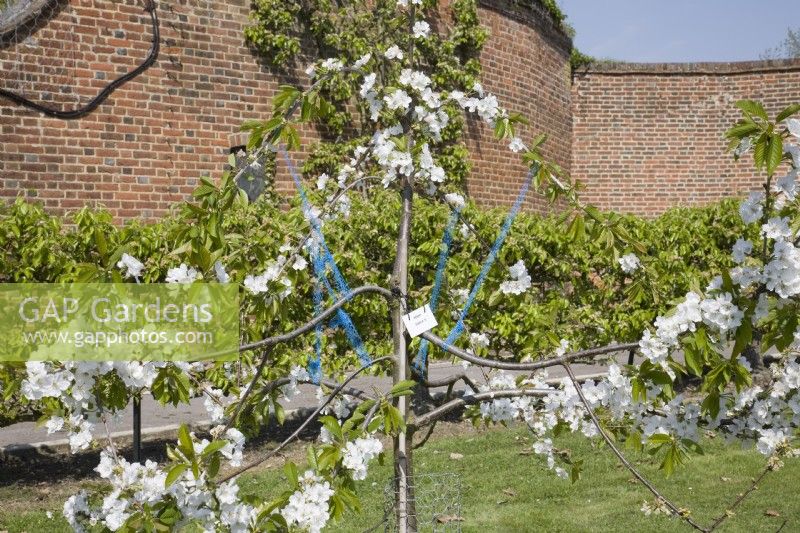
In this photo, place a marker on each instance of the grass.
(505, 489)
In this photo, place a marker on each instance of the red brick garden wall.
(647, 137)
(641, 137)
(526, 64)
(144, 148)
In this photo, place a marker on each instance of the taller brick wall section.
(144, 149)
(526, 64)
(646, 137)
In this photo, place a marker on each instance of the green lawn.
(504, 489)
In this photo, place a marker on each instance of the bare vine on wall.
(152, 56)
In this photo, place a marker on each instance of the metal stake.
(137, 429)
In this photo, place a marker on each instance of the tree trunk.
(405, 513)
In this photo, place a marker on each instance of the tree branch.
(305, 423)
(434, 414)
(327, 313)
(533, 365)
(729, 511)
(450, 380)
(672, 507)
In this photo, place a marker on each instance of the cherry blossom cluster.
(308, 507)
(136, 488)
(410, 100)
(520, 279)
(629, 263)
(767, 417)
(72, 383)
(358, 453)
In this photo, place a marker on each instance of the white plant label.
(419, 321)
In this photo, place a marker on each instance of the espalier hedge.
(579, 290)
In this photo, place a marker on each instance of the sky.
(679, 30)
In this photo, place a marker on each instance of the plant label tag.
(420, 320)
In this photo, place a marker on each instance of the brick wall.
(144, 148)
(526, 64)
(647, 137)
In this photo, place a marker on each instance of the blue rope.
(458, 329)
(444, 252)
(315, 363)
(322, 260)
(342, 320)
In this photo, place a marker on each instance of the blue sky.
(679, 30)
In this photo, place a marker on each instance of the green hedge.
(579, 292)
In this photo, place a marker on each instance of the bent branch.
(533, 365)
(305, 423)
(434, 414)
(680, 513)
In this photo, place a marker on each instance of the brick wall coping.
(534, 14)
(684, 69)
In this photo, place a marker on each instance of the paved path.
(156, 417)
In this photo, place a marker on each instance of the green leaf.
(694, 359)
(332, 425)
(671, 460)
(575, 472)
(212, 469)
(788, 112)
(753, 108)
(403, 387)
(214, 446)
(290, 469)
(760, 152)
(101, 242)
(186, 445)
(742, 129)
(280, 412)
(692, 445)
(659, 438)
(710, 404)
(174, 473)
(774, 153)
(743, 337)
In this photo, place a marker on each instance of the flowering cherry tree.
(409, 109)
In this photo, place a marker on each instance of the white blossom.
(751, 210)
(272, 275)
(479, 340)
(219, 271)
(363, 60)
(130, 266)
(414, 79)
(421, 29)
(782, 273)
(357, 455)
(455, 199)
(299, 263)
(793, 126)
(367, 85)
(332, 64)
(741, 249)
(629, 263)
(777, 228)
(720, 312)
(516, 145)
(787, 185)
(393, 52)
(520, 279)
(182, 274)
(308, 507)
(399, 99)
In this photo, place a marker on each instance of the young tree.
(404, 105)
